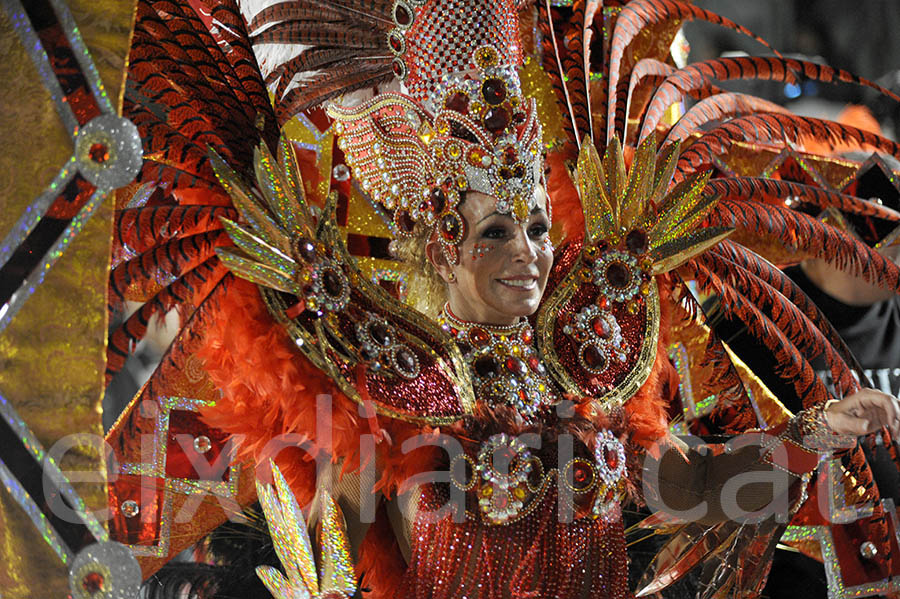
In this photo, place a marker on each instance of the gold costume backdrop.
(52, 353)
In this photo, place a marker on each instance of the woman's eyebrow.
(495, 213)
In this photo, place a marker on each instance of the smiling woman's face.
(503, 265)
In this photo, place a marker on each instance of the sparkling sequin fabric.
(537, 556)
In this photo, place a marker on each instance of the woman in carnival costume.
(536, 382)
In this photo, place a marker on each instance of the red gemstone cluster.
(324, 282)
(381, 347)
(621, 272)
(598, 332)
(432, 38)
(609, 457)
(490, 108)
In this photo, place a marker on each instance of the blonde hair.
(426, 291)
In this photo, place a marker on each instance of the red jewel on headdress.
(494, 91)
(496, 120)
(534, 363)
(398, 68)
(450, 227)
(637, 241)
(402, 14)
(438, 199)
(458, 102)
(396, 42)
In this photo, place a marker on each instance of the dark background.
(861, 36)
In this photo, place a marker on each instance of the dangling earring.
(451, 277)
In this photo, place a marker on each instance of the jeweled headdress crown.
(464, 126)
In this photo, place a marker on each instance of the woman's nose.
(524, 249)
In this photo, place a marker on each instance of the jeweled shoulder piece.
(600, 326)
(374, 347)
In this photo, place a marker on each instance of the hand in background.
(863, 412)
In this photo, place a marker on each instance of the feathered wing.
(682, 81)
(751, 206)
(186, 94)
(776, 129)
(196, 94)
(188, 90)
(313, 50)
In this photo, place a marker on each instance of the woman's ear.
(438, 260)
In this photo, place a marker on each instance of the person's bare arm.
(705, 487)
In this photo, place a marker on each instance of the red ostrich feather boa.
(269, 389)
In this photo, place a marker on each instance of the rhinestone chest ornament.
(507, 477)
(621, 275)
(504, 364)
